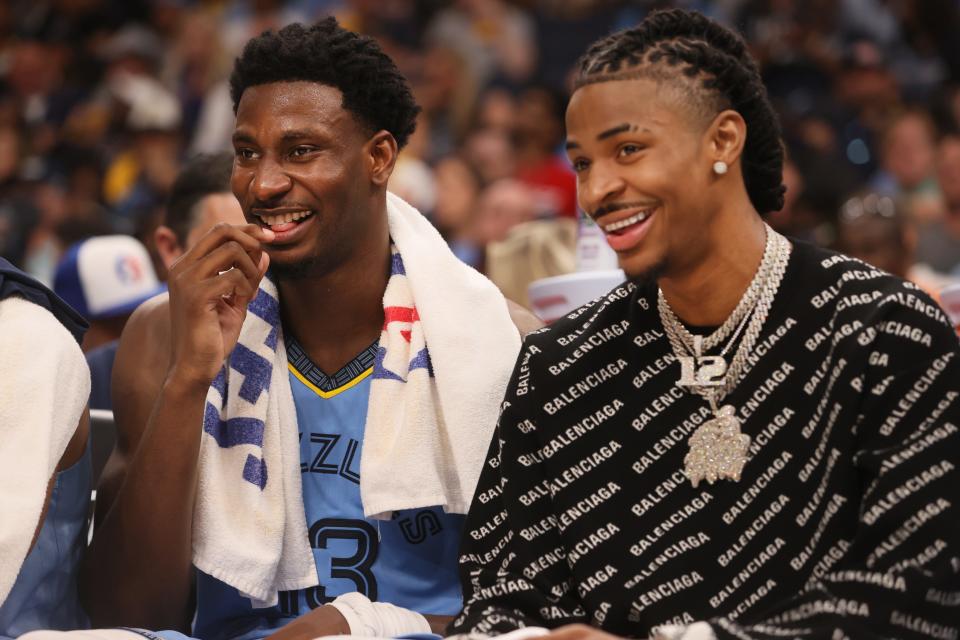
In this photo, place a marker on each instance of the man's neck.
(708, 291)
(337, 315)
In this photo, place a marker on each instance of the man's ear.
(726, 137)
(168, 246)
(381, 157)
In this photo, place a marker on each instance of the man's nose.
(270, 180)
(602, 185)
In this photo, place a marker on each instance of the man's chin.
(643, 273)
(285, 269)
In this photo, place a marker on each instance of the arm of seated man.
(138, 570)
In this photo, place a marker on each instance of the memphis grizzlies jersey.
(409, 561)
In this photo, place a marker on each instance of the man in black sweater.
(753, 438)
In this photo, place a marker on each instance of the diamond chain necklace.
(718, 449)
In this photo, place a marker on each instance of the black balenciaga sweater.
(845, 522)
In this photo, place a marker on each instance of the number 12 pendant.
(699, 370)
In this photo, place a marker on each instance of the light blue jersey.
(410, 561)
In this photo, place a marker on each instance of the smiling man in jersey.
(321, 114)
(754, 438)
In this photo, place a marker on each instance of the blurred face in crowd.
(871, 229)
(457, 190)
(305, 167)
(537, 123)
(491, 152)
(876, 242)
(503, 205)
(496, 110)
(34, 68)
(642, 172)
(211, 210)
(908, 151)
(882, 242)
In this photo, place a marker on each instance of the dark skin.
(297, 149)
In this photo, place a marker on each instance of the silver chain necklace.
(718, 449)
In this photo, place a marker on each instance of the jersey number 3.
(356, 567)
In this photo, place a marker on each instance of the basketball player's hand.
(324, 621)
(210, 288)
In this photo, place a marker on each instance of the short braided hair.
(728, 79)
(373, 89)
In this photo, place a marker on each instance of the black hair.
(373, 89)
(203, 175)
(728, 79)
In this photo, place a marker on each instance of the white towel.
(426, 436)
(44, 387)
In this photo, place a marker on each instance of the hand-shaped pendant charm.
(717, 449)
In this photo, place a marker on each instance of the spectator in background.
(196, 64)
(939, 241)
(458, 188)
(104, 279)
(502, 206)
(200, 198)
(139, 177)
(491, 152)
(870, 227)
(447, 89)
(908, 153)
(538, 134)
(496, 39)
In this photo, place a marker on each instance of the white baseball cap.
(106, 276)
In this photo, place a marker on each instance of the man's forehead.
(597, 109)
(291, 100)
(651, 93)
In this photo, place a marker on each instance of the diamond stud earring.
(719, 167)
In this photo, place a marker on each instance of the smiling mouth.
(284, 221)
(618, 227)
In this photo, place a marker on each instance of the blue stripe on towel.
(255, 471)
(256, 371)
(232, 432)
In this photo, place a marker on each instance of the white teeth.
(623, 224)
(283, 218)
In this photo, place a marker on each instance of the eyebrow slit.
(609, 133)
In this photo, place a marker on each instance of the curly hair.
(714, 61)
(373, 89)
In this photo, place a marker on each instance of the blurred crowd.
(102, 101)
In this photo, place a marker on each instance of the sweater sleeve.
(509, 583)
(899, 576)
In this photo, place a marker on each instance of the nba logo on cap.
(129, 270)
(106, 276)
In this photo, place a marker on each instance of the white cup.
(552, 298)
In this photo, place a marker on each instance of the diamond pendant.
(699, 370)
(717, 449)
